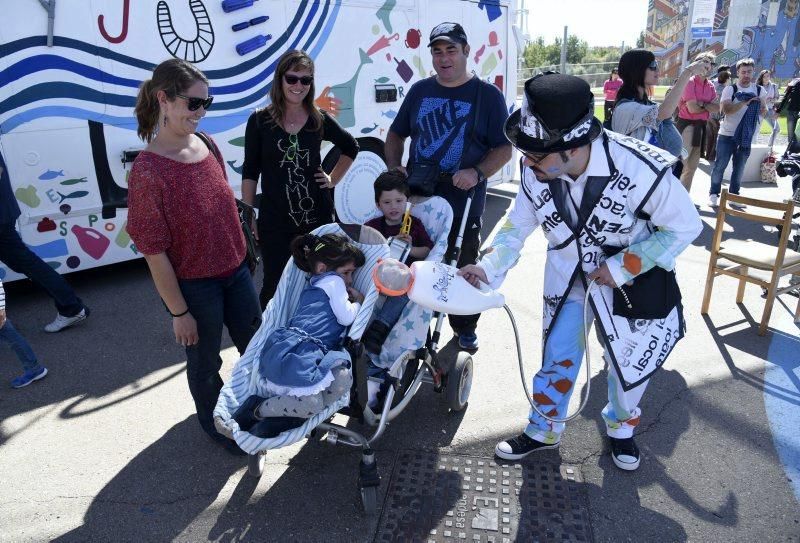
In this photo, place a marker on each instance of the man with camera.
(455, 122)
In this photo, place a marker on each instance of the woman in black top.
(282, 145)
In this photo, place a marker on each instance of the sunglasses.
(653, 66)
(290, 79)
(194, 103)
(535, 158)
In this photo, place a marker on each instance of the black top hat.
(557, 114)
(452, 32)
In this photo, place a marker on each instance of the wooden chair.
(777, 260)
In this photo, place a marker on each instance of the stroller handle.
(455, 253)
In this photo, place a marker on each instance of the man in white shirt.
(593, 192)
(741, 103)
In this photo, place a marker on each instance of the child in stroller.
(302, 367)
(391, 198)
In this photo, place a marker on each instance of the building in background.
(766, 30)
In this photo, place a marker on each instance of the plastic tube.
(587, 354)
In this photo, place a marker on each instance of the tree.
(576, 50)
(537, 53)
(640, 40)
(534, 54)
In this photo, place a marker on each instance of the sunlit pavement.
(106, 447)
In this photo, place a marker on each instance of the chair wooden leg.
(709, 286)
(742, 283)
(797, 311)
(762, 329)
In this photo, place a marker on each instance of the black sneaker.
(520, 447)
(246, 416)
(625, 453)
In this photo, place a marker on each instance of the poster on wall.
(702, 23)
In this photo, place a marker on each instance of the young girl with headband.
(303, 362)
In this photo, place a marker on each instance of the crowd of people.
(183, 218)
(717, 118)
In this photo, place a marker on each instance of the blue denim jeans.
(727, 148)
(231, 302)
(392, 308)
(20, 345)
(554, 383)
(16, 255)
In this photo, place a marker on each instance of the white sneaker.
(713, 200)
(62, 322)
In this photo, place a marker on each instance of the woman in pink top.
(182, 217)
(610, 89)
(698, 100)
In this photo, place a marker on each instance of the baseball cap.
(451, 32)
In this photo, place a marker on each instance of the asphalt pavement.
(106, 448)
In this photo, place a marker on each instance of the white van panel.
(66, 112)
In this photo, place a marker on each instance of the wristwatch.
(481, 177)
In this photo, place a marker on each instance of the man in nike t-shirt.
(437, 113)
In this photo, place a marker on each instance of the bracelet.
(179, 314)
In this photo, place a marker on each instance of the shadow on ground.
(127, 337)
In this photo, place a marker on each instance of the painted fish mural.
(67, 129)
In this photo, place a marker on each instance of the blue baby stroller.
(408, 358)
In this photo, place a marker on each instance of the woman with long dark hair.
(182, 217)
(282, 147)
(635, 114)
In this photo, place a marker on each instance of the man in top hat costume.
(455, 122)
(590, 189)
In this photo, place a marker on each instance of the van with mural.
(70, 72)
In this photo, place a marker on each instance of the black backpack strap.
(474, 127)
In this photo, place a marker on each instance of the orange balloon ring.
(386, 290)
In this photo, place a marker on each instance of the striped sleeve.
(2, 297)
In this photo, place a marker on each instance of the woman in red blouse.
(182, 217)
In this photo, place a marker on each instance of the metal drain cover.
(438, 498)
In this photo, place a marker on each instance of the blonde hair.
(707, 55)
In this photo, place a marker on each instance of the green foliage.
(640, 40)
(534, 54)
(537, 53)
(540, 54)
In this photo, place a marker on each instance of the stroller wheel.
(369, 499)
(255, 464)
(459, 382)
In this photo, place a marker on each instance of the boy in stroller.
(391, 198)
(302, 365)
